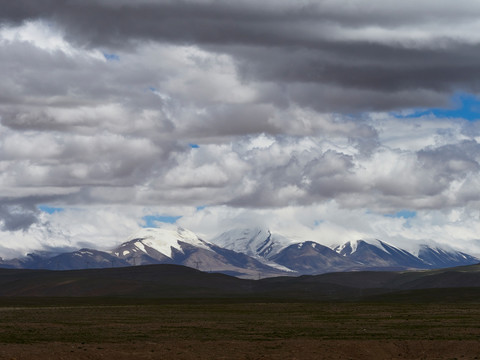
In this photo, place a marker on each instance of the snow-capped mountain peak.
(350, 247)
(256, 242)
(437, 256)
(165, 240)
(347, 248)
(183, 247)
(378, 254)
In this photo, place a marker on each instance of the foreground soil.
(214, 329)
(287, 349)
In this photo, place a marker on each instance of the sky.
(321, 120)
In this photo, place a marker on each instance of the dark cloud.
(21, 213)
(289, 43)
(14, 218)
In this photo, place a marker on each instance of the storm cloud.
(380, 47)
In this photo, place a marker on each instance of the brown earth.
(284, 349)
(37, 329)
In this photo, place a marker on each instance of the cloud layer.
(160, 107)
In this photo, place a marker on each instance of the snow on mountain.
(183, 247)
(162, 240)
(378, 254)
(83, 259)
(437, 257)
(351, 247)
(312, 258)
(248, 253)
(347, 248)
(180, 246)
(79, 259)
(256, 242)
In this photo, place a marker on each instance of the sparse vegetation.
(230, 328)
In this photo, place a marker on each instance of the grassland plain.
(113, 328)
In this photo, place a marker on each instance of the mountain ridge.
(177, 282)
(246, 253)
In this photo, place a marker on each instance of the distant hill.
(174, 281)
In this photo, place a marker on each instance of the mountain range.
(247, 253)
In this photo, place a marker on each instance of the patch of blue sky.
(152, 220)
(463, 106)
(200, 208)
(194, 146)
(49, 209)
(111, 57)
(406, 214)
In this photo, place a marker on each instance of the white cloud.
(294, 126)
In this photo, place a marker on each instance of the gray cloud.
(20, 214)
(238, 104)
(290, 44)
(15, 218)
(451, 162)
